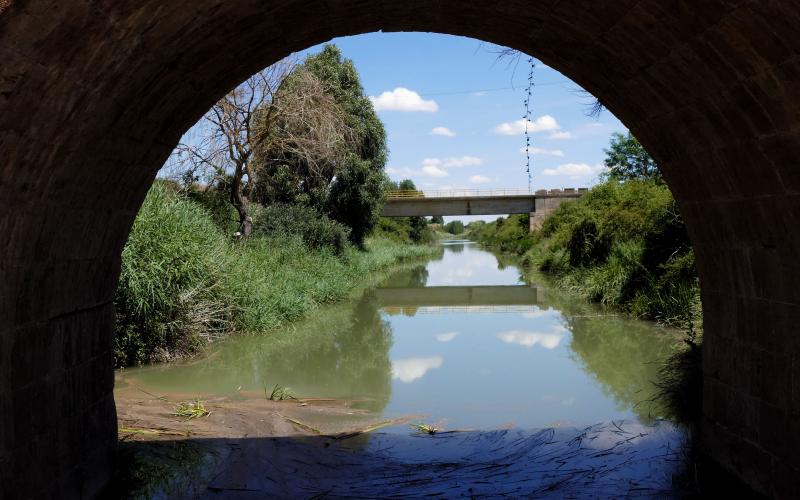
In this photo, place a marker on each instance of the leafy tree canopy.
(347, 182)
(626, 159)
(454, 227)
(407, 185)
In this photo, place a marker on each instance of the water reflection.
(343, 354)
(446, 337)
(549, 340)
(557, 359)
(411, 369)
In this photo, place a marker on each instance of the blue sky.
(456, 86)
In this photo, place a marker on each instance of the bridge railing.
(477, 193)
(457, 193)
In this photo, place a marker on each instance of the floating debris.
(424, 428)
(191, 409)
(301, 425)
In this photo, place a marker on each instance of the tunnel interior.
(95, 95)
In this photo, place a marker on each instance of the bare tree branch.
(219, 146)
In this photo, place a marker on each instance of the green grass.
(184, 283)
(277, 281)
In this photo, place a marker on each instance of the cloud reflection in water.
(411, 369)
(446, 337)
(548, 340)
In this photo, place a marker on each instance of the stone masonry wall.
(94, 95)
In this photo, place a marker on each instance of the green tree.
(346, 180)
(437, 219)
(356, 197)
(626, 159)
(416, 224)
(454, 227)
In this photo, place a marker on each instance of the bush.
(394, 228)
(454, 227)
(627, 246)
(509, 235)
(623, 244)
(170, 290)
(183, 282)
(217, 203)
(586, 246)
(414, 230)
(315, 229)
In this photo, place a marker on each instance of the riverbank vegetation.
(184, 282)
(623, 244)
(406, 229)
(268, 214)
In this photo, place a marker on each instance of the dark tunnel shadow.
(607, 460)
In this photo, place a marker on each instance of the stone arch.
(94, 94)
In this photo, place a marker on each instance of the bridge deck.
(471, 202)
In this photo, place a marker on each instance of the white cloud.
(548, 340)
(544, 123)
(433, 171)
(453, 162)
(402, 171)
(480, 179)
(479, 93)
(446, 337)
(443, 131)
(436, 167)
(411, 369)
(542, 151)
(575, 170)
(402, 99)
(561, 136)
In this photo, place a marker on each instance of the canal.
(460, 342)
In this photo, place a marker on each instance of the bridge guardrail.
(480, 193)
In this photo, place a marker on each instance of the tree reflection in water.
(341, 353)
(622, 354)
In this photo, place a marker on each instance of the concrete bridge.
(95, 95)
(479, 202)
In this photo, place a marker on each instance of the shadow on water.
(607, 460)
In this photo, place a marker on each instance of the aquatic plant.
(191, 409)
(424, 428)
(279, 393)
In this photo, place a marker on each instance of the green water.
(461, 339)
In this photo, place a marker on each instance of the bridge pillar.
(536, 220)
(547, 201)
